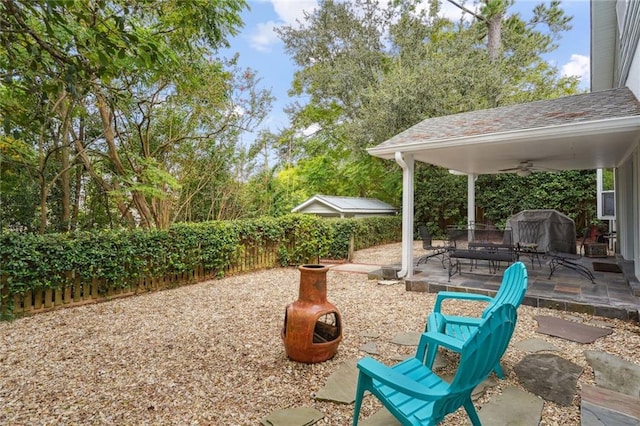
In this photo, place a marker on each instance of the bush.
(120, 258)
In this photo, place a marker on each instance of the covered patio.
(581, 132)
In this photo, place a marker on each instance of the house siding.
(628, 47)
(628, 74)
(633, 81)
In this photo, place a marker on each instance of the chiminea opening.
(327, 328)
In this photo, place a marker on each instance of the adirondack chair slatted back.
(512, 289)
(478, 357)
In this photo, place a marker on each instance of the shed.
(555, 230)
(331, 206)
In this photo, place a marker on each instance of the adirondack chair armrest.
(444, 295)
(397, 381)
(469, 321)
(432, 337)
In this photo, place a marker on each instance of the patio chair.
(528, 236)
(415, 395)
(427, 244)
(560, 258)
(512, 291)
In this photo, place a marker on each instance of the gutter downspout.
(471, 201)
(407, 165)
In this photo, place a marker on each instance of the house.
(329, 206)
(597, 130)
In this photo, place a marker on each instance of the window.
(606, 194)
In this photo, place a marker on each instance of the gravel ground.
(211, 353)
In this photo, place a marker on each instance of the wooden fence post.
(352, 248)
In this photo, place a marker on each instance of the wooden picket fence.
(79, 292)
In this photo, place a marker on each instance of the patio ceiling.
(587, 131)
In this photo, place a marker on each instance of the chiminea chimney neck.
(313, 284)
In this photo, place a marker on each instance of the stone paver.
(615, 373)
(297, 416)
(388, 282)
(570, 330)
(549, 376)
(603, 407)
(410, 338)
(370, 348)
(536, 345)
(341, 385)
(360, 268)
(513, 407)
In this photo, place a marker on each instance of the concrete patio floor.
(614, 295)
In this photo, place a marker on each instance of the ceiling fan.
(525, 168)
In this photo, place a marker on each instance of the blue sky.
(261, 50)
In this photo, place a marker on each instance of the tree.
(145, 70)
(571, 192)
(375, 71)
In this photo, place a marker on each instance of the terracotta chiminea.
(312, 329)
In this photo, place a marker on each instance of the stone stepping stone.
(599, 406)
(298, 416)
(512, 407)
(400, 357)
(615, 373)
(536, 345)
(341, 385)
(369, 334)
(479, 390)
(438, 363)
(380, 418)
(410, 338)
(370, 348)
(570, 330)
(549, 376)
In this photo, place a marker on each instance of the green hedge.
(30, 262)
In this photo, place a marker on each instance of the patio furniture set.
(491, 246)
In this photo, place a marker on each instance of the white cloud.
(291, 10)
(314, 128)
(579, 66)
(288, 11)
(452, 12)
(263, 36)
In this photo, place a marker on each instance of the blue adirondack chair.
(415, 395)
(512, 291)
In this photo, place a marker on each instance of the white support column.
(407, 164)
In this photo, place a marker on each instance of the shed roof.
(348, 204)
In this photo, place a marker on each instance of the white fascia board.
(309, 202)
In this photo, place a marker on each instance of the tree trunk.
(109, 136)
(494, 35)
(494, 47)
(65, 177)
